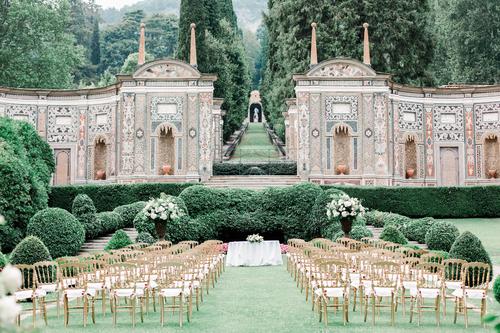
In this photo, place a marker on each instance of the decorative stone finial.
(141, 59)
(193, 61)
(314, 49)
(366, 46)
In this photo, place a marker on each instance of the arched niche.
(255, 113)
(100, 158)
(63, 167)
(410, 157)
(342, 150)
(165, 155)
(491, 155)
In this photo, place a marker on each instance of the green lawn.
(260, 299)
(488, 230)
(255, 146)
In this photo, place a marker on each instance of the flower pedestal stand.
(346, 227)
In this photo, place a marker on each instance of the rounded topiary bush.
(84, 210)
(358, 232)
(399, 221)
(417, 229)
(441, 236)
(496, 289)
(129, 212)
(143, 224)
(468, 247)
(59, 230)
(182, 229)
(375, 218)
(110, 222)
(392, 234)
(119, 240)
(319, 224)
(30, 251)
(145, 237)
(10, 236)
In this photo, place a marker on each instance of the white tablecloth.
(266, 253)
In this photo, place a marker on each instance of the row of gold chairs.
(384, 275)
(131, 279)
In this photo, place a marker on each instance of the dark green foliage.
(337, 235)
(271, 168)
(181, 229)
(358, 232)
(29, 251)
(110, 222)
(143, 224)
(60, 231)
(318, 220)
(119, 240)
(375, 218)
(417, 229)
(3, 260)
(254, 171)
(468, 247)
(108, 197)
(496, 289)
(441, 236)
(399, 221)
(145, 237)
(438, 202)
(129, 212)
(9, 237)
(392, 234)
(84, 210)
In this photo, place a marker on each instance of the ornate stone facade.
(112, 132)
(391, 134)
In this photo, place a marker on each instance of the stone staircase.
(99, 244)
(251, 182)
(377, 231)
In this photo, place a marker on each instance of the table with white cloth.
(266, 253)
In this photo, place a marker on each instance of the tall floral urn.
(160, 211)
(344, 210)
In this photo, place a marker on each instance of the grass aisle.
(255, 146)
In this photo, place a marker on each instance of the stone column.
(303, 118)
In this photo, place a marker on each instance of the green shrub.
(445, 254)
(84, 210)
(181, 229)
(468, 247)
(119, 240)
(358, 232)
(441, 236)
(144, 225)
(30, 251)
(399, 221)
(3, 260)
(375, 218)
(331, 230)
(496, 289)
(110, 222)
(318, 220)
(10, 236)
(60, 231)
(108, 197)
(271, 168)
(128, 212)
(392, 234)
(256, 171)
(145, 237)
(337, 235)
(417, 229)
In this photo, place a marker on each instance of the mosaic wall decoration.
(410, 116)
(22, 112)
(63, 123)
(166, 109)
(303, 132)
(448, 123)
(341, 108)
(128, 131)
(487, 116)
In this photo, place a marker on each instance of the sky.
(115, 3)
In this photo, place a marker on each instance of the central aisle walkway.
(255, 146)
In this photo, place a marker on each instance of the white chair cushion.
(49, 288)
(128, 292)
(28, 294)
(410, 284)
(330, 292)
(95, 285)
(382, 291)
(174, 292)
(76, 293)
(453, 285)
(425, 293)
(470, 293)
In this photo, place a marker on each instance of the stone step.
(100, 243)
(378, 231)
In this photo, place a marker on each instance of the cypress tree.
(95, 46)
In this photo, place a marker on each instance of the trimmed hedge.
(319, 221)
(128, 212)
(375, 218)
(438, 202)
(119, 240)
(441, 236)
(110, 222)
(392, 234)
(468, 247)
(271, 168)
(84, 210)
(358, 232)
(145, 237)
(108, 197)
(30, 251)
(3, 260)
(60, 231)
(496, 289)
(417, 229)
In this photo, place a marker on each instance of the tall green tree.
(162, 32)
(95, 44)
(36, 51)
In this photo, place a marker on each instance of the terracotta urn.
(410, 172)
(100, 174)
(346, 224)
(492, 173)
(341, 169)
(166, 170)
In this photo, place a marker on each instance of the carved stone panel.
(380, 132)
(127, 133)
(63, 124)
(303, 133)
(205, 138)
(22, 112)
(449, 123)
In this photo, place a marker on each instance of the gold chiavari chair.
(164, 244)
(429, 286)
(384, 285)
(408, 279)
(137, 246)
(74, 288)
(359, 276)
(393, 247)
(475, 282)
(174, 289)
(29, 292)
(146, 280)
(191, 243)
(452, 269)
(67, 260)
(432, 257)
(95, 276)
(152, 248)
(124, 288)
(331, 288)
(48, 279)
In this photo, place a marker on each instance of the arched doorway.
(100, 158)
(410, 157)
(491, 155)
(166, 151)
(255, 113)
(63, 167)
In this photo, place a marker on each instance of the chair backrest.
(429, 275)
(432, 257)
(452, 269)
(191, 243)
(476, 275)
(47, 273)
(28, 277)
(71, 275)
(164, 244)
(385, 274)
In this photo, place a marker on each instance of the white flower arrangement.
(163, 208)
(344, 207)
(255, 238)
(10, 281)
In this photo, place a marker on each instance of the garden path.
(255, 146)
